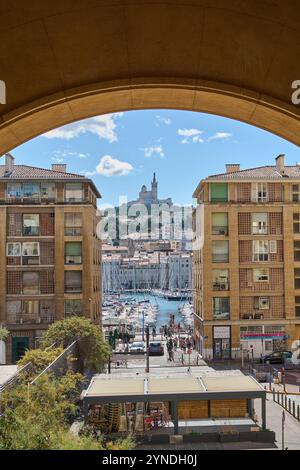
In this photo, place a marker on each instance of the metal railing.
(287, 403)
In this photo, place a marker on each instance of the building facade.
(246, 278)
(49, 250)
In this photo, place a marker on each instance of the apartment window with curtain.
(221, 309)
(30, 253)
(260, 250)
(297, 278)
(218, 192)
(31, 224)
(14, 191)
(261, 303)
(261, 275)
(297, 250)
(295, 192)
(220, 251)
(220, 279)
(73, 224)
(296, 218)
(73, 281)
(297, 307)
(48, 191)
(30, 283)
(74, 192)
(73, 307)
(259, 192)
(259, 224)
(220, 223)
(13, 249)
(31, 190)
(73, 253)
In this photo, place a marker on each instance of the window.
(30, 282)
(14, 309)
(261, 275)
(73, 281)
(297, 278)
(259, 192)
(295, 192)
(220, 251)
(48, 191)
(261, 303)
(296, 218)
(221, 308)
(259, 224)
(31, 224)
(73, 307)
(13, 249)
(218, 192)
(14, 191)
(73, 253)
(73, 224)
(220, 279)
(30, 307)
(220, 223)
(31, 190)
(297, 307)
(297, 250)
(31, 253)
(74, 192)
(260, 250)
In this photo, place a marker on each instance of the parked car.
(277, 357)
(156, 349)
(138, 347)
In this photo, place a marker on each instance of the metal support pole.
(263, 413)
(147, 345)
(282, 431)
(175, 417)
(298, 413)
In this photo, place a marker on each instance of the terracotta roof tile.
(263, 172)
(31, 172)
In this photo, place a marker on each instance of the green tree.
(39, 359)
(93, 349)
(3, 333)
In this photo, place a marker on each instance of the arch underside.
(65, 60)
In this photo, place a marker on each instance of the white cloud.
(64, 153)
(109, 166)
(220, 135)
(103, 126)
(190, 136)
(165, 120)
(155, 150)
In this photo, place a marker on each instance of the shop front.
(263, 339)
(221, 342)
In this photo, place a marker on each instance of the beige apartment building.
(50, 254)
(246, 277)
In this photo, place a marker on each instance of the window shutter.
(73, 249)
(273, 246)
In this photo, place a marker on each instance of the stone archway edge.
(39, 116)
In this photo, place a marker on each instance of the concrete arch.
(62, 61)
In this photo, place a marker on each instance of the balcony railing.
(220, 315)
(221, 285)
(29, 200)
(73, 289)
(220, 230)
(73, 231)
(73, 259)
(20, 319)
(259, 230)
(220, 258)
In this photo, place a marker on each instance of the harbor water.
(166, 307)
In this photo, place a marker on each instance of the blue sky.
(121, 151)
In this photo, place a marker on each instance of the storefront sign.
(221, 332)
(278, 335)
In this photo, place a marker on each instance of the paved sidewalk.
(274, 423)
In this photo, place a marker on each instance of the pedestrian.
(184, 345)
(189, 344)
(153, 333)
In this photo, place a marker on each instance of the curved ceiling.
(64, 60)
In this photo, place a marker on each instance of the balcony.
(252, 316)
(30, 200)
(21, 319)
(221, 286)
(259, 230)
(73, 259)
(220, 230)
